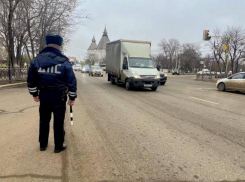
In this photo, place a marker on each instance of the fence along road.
(16, 74)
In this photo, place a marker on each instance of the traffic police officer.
(50, 79)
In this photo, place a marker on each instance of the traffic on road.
(122, 91)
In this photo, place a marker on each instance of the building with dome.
(98, 52)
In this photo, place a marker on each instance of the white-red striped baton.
(71, 114)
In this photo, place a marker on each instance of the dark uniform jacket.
(51, 71)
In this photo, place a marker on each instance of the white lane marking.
(203, 100)
(202, 88)
(207, 88)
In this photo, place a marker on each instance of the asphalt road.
(185, 131)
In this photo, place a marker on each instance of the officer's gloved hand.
(71, 102)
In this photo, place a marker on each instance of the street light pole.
(9, 72)
(179, 59)
(227, 60)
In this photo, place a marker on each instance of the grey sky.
(153, 20)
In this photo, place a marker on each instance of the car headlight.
(136, 76)
(166, 75)
(158, 76)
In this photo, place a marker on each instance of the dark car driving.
(175, 71)
(163, 78)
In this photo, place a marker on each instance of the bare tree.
(91, 59)
(170, 49)
(7, 16)
(234, 39)
(218, 52)
(190, 57)
(237, 36)
(25, 23)
(58, 17)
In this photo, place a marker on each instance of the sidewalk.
(20, 157)
(13, 84)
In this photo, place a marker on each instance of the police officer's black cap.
(54, 39)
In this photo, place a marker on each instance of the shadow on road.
(236, 92)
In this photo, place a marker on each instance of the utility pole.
(176, 63)
(9, 72)
(227, 56)
(179, 63)
(179, 59)
(176, 59)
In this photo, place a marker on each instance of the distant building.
(73, 60)
(93, 47)
(99, 51)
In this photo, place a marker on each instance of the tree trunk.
(236, 66)
(232, 66)
(30, 37)
(19, 52)
(10, 35)
(28, 53)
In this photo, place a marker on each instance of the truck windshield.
(96, 67)
(141, 63)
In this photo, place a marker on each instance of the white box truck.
(129, 62)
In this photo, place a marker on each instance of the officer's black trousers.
(52, 102)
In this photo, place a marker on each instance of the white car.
(78, 67)
(204, 72)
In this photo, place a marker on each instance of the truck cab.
(139, 72)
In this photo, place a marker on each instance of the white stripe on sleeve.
(35, 88)
(72, 92)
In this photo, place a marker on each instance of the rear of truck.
(113, 60)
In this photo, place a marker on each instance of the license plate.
(147, 85)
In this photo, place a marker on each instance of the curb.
(12, 85)
(213, 81)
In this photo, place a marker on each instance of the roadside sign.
(211, 59)
(201, 62)
(224, 47)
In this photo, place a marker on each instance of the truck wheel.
(112, 80)
(116, 80)
(127, 85)
(162, 83)
(154, 88)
